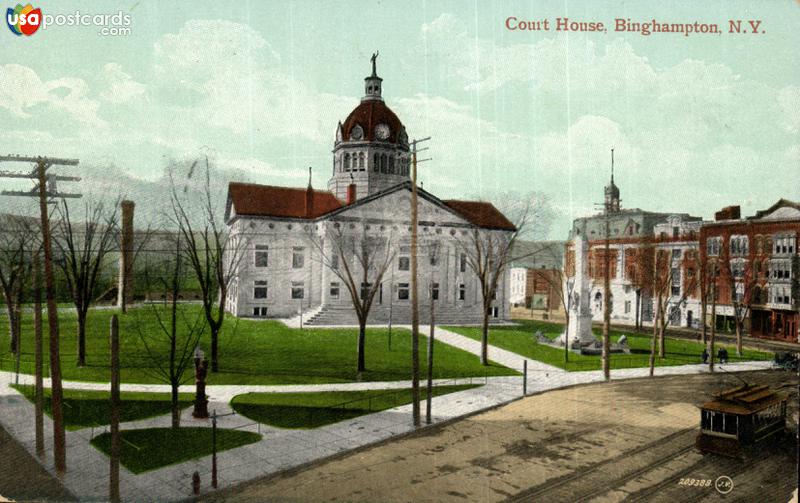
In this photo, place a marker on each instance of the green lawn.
(251, 352)
(152, 448)
(312, 410)
(519, 339)
(83, 409)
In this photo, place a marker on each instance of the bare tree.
(359, 255)
(741, 282)
(488, 253)
(18, 241)
(666, 276)
(211, 253)
(83, 249)
(170, 347)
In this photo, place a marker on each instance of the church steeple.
(611, 191)
(372, 84)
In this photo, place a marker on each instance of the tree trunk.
(739, 324)
(638, 303)
(214, 347)
(176, 408)
(713, 329)
(704, 313)
(652, 359)
(566, 336)
(362, 336)
(662, 346)
(12, 324)
(81, 338)
(485, 337)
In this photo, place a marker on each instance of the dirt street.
(22, 478)
(629, 440)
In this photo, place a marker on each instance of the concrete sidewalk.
(280, 449)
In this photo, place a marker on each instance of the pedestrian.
(705, 355)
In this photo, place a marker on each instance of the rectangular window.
(676, 281)
(462, 266)
(462, 291)
(365, 290)
(404, 264)
(434, 260)
(298, 289)
(334, 291)
(435, 291)
(676, 254)
(676, 232)
(402, 291)
(260, 311)
(298, 257)
(260, 289)
(713, 245)
(627, 307)
(335, 262)
(262, 256)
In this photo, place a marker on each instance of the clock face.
(356, 133)
(382, 131)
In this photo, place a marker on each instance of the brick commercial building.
(534, 270)
(755, 260)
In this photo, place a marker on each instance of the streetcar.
(740, 418)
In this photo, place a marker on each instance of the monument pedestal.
(579, 333)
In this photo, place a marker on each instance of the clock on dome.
(357, 133)
(382, 131)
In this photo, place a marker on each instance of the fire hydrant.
(196, 484)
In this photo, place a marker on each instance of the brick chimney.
(309, 196)
(351, 193)
(728, 213)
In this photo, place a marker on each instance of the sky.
(697, 122)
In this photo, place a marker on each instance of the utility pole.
(428, 418)
(45, 187)
(113, 477)
(37, 335)
(414, 296)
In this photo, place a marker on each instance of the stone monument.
(579, 333)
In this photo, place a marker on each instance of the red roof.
(481, 213)
(269, 201)
(370, 113)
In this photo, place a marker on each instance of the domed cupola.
(371, 146)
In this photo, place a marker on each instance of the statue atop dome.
(373, 58)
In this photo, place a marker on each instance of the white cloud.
(21, 90)
(120, 87)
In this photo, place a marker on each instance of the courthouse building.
(632, 232)
(291, 236)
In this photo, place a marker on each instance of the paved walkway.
(279, 449)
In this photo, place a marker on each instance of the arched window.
(347, 162)
(384, 163)
(361, 161)
(375, 166)
(391, 164)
